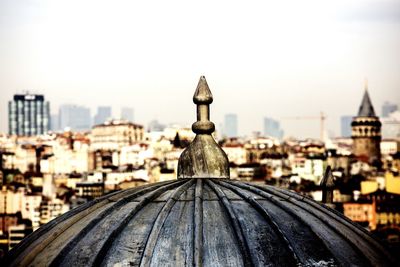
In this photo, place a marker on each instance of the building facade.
(366, 132)
(28, 115)
(114, 135)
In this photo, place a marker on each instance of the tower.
(366, 131)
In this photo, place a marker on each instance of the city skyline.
(262, 59)
(91, 120)
(47, 176)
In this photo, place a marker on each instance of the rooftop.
(366, 109)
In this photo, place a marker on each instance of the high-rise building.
(272, 128)
(102, 115)
(366, 131)
(388, 108)
(28, 115)
(75, 117)
(345, 126)
(230, 125)
(127, 114)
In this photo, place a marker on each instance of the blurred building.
(90, 190)
(345, 126)
(236, 152)
(127, 114)
(102, 115)
(185, 133)
(388, 108)
(155, 126)
(230, 125)
(115, 134)
(390, 146)
(366, 132)
(69, 153)
(391, 125)
(272, 128)
(363, 212)
(75, 117)
(51, 209)
(28, 115)
(378, 206)
(16, 233)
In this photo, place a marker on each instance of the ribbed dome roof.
(201, 222)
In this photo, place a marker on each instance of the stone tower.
(366, 131)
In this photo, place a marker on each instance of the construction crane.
(321, 119)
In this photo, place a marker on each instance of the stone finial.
(327, 185)
(203, 158)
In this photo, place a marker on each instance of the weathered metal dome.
(201, 222)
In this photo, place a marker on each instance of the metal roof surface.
(201, 222)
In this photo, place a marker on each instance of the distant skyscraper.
(345, 126)
(28, 115)
(103, 113)
(75, 117)
(388, 108)
(230, 125)
(127, 114)
(272, 128)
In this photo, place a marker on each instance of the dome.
(201, 221)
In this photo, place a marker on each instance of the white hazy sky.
(261, 58)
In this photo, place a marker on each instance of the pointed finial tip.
(202, 95)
